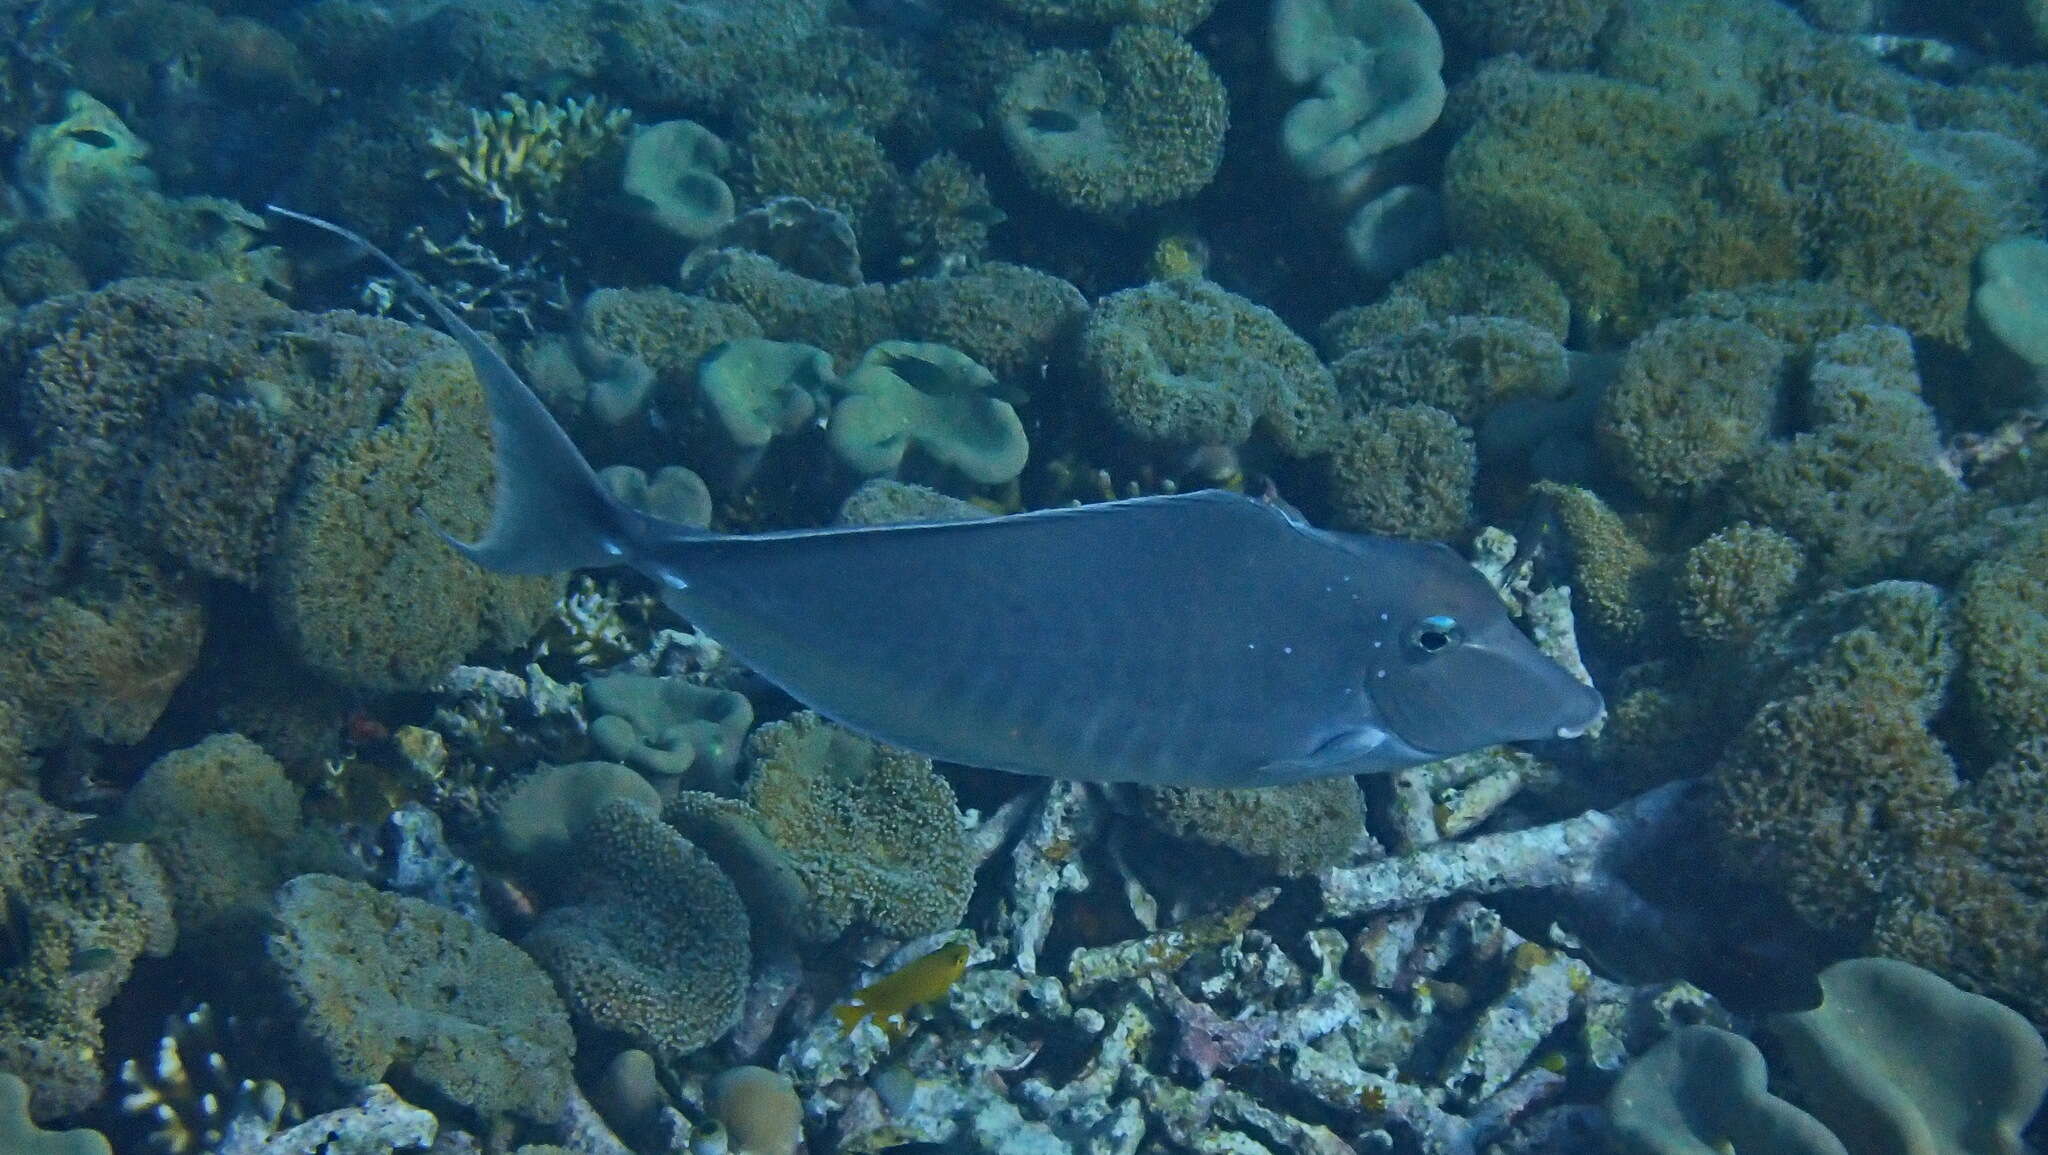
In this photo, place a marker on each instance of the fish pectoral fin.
(1366, 750)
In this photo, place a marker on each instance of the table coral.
(869, 833)
(654, 944)
(1186, 362)
(1136, 123)
(385, 983)
(82, 911)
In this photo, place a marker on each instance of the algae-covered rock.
(84, 911)
(1186, 362)
(850, 831)
(669, 727)
(385, 984)
(224, 821)
(654, 946)
(1136, 123)
(907, 394)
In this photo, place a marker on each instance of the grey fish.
(1203, 639)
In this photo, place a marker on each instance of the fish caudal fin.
(551, 512)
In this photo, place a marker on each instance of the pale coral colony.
(1715, 332)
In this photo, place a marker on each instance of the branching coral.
(517, 158)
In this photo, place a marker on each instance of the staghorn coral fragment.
(1542, 992)
(1163, 952)
(382, 982)
(378, 1123)
(1573, 855)
(655, 946)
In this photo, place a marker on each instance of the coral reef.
(673, 169)
(1186, 362)
(1404, 471)
(906, 395)
(1136, 123)
(20, 1135)
(670, 729)
(654, 944)
(868, 834)
(516, 159)
(386, 983)
(1693, 397)
(80, 912)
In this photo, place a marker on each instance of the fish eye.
(1435, 634)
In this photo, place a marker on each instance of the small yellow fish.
(889, 998)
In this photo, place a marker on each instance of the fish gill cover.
(1714, 332)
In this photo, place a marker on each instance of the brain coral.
(84, 910)
(1136, 123)
(860, 832)
(387, 986)
(1186, 362)
(655, 946)
(366, 591)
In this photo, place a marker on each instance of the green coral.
(669, 727)
(667, 331)
(758, 389)
(1011, 318)
(224, 821)
(1186, 362)
(1136, 123)
(82, 911)
(1693, 397)
(19, 1134)
(906, 395)
(1460, 283)
(387, 986)
(1293, 830)
(855, 832)
(654, 945)
(1404, 470)
(1734, 583)
(1616, 579)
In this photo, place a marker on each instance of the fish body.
(889, 999)
(1203, 639)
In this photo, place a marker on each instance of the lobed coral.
(1693, 397)
(1405, 471)
(906, 395)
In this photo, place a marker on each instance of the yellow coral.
(517, 157)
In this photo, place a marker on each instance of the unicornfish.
(1199, 639)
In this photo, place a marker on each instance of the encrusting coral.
(385, 983)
